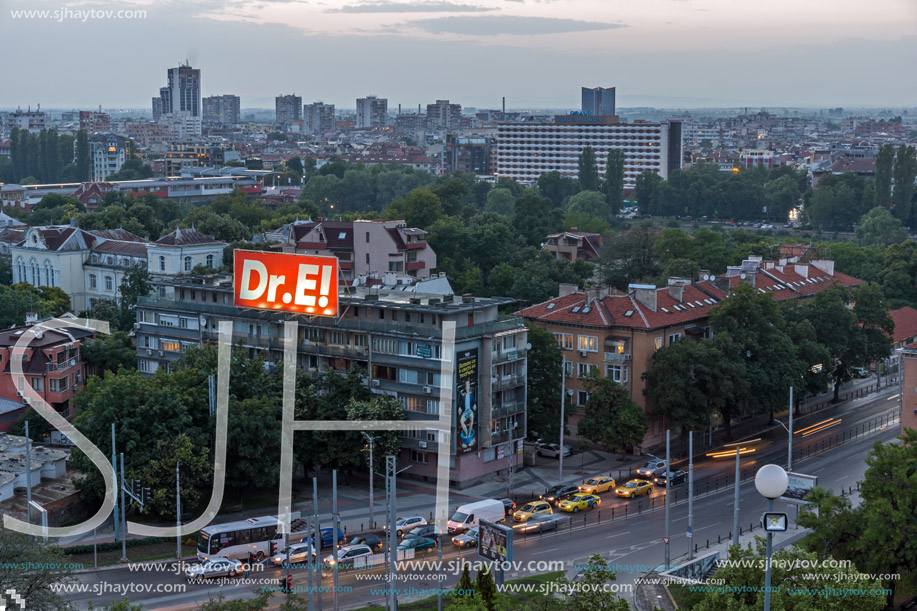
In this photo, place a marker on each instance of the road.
(625, 532)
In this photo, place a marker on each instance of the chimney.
(802, 270)
(645, 294)
(677, 288)
(596, 293)
(31, 318)
(824, 265)
(567, 289)
(703, 275)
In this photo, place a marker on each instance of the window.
(674, 337)
(395, 266)
(658, 343)
(187, 264)
(168, 320)
(582, 397)
(315, 335)
(385, 346)
(615, 346)
(210, 261)
(589, 343)
(93, 283)
(583, 370)
(568, 369)
(109, 283)
(162, 263)
(147, 316)
(339, 338)
(170, 345)
(38, 384)
(413, 404)
(617, 373)
(384, 373)
(418, 457)
(367, 237)
(367, 258)
(408, 376)
(359, 340)
(564, 340)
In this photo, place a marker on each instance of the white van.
(471, 514)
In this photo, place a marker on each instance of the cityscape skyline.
(545, 55)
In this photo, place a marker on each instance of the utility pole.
(28, 470)
(668, 485)
(735, 512)
(390, 466)
(317, 541)
(334, 534)
(123, 516)
(789, 456)
(690, 495)
(372, 517)
(178, 510)
(310, 559)
(563, 396)
(114, 470)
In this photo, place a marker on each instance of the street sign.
(689, 532)
(665, 540)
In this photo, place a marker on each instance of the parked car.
(634, 487)
(406, 524)
(551, 450)
(596, 485)
(373, 541)
(422, 531)
(299, 552)
(417, 543)
(676, 477)
(469, 539)
(509, 506)
(558, 493)
(860, 372)
(530, 510)
(539, 524)
(349, 553)
(217, 567)
(652, 468)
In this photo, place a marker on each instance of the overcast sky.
(537, 53)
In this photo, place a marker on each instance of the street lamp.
(771, 482)
(789, 430)
(370, 439)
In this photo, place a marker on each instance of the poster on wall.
(467, 400)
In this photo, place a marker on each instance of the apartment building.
(318, 118)
(616, 335)
(395, 337)
(574, 244)
(372, 112)
(95, 122)
(363, 247)
(108, 153)
(526, 150)
(287, 108)
(221, 110)
(51, 366)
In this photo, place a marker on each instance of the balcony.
(62, 366)
(507, 409)
(415, 265)
(509, 381)
(415, 245)
(508, 355)
(501, 437)
(617, 357)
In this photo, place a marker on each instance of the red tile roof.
(905, 324)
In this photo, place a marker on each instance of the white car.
(406, 524)
(551, 449)
(216, 567)
(652, 468)
(349, 553)
(299, 552)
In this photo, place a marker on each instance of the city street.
(624, 532)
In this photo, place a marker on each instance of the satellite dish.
(712, 278)
(742, 276)
(203, 321)
(528, 346)
(707, 277)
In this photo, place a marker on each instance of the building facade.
(32, 120)
(396, 339)
(287, 108)
(183, 92)
(363, 247)
(443, 116)
(318, 118)
(108, 154)
(598, 101)
(467, 154)
(95, 122)
(909, 387)
(527, 150)
(372, 112)
(222, 110)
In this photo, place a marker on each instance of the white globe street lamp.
(771, 482)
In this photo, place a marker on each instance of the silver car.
(299, 552)
(469, 539)
(216, 567)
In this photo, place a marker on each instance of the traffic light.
(289, 583)
(135, 487)
(275, 545)
(145, 496)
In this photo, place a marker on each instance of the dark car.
(558, 493)
(328, 536)
(428, 531)
(677, 477)
(373, 541)
(509, 506)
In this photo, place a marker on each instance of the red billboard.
(306, 284)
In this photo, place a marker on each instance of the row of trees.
(760, 348)
(46, 157)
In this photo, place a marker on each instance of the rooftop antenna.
(504, 106)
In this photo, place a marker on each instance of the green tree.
(486, 589)
(18, 299)
(556, 187)
(535, 217)
(837, 330)
(39, 588)
(158, 474)
(420, 208)
(878, 227)
(885, 162)
(58, 301)
(134, 285)
(904, 173)
(588, 170)
(592, 592)
(110, 352)
(610, 418)
(588, 204)
(629, 257)
(500, 201)
(614, 180)
(543, 384)
(465, 584)
(645, 192)
(256, 603)
(83, 161)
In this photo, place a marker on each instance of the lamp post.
(370, 439)
(563, 394)
(771, 482)
(789, 430)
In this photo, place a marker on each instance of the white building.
(525, 151)
(32, 120)
(372, 111)
(182, 250)
(107, 152)
(182, 125)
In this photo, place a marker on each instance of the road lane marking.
(617, 535)
(546, 551)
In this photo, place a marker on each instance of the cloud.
(494, 25)
(386, 6)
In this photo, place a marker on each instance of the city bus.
(252, 536)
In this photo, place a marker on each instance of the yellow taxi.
(579, 501)
(530, 510)
(634, 487)
(596, 485)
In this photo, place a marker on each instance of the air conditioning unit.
(75, 386)
(582, 353)
(376, 382)
(422, 444)
(160, 353)
(427, 389)
(18, 393)
(149, 352)
(27, 400)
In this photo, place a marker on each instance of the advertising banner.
(306, 284)
(495, 542)
(467, 400)
(799, 486)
